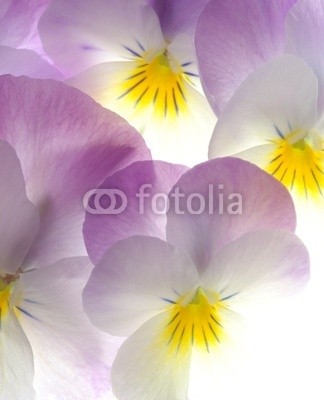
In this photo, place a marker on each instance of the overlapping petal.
(137, 278)
(235, 37)
(97, 31)
(145, 186)
(276, 99)
(19, 220)
(67, 144)
(26, 62)
(305, 37)
(17, 19)
(72, 358)
(179, 16)
(258, 266)
(237, 198)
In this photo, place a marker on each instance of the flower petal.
(26, 62)
(78, 34)
(72, 358)
(67, 145)
(145, 185)
(221, 200)
(178, 16)
(16, 20)
(137, 278)
(258, 266)
(17, 364)
(19, 221)
(143, 370)
(276, 99)
(305, 36)
(233, 38)
(190, 129)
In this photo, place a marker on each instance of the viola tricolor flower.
(59, 143)
(137, 63)
(177, 290)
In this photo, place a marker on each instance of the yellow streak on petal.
(299, 165)
(195, 324)
(5, 294)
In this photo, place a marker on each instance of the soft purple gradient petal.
(67, 144)
(72, 358)
(19, 218)
(136, 279)
(266, 204)
(26, 62)
(178, 16)
(281, 95)
(233, 38)
(78, 34)
(305, 37)
(259, 266)
(17, 18)
(101, 231)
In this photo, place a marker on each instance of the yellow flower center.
(157, 83)
(195, 324)
(298, 162)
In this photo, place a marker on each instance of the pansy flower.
(56, 144)
(178, 290)
(137, 63)
(272, 117)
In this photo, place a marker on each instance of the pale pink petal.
(233, 38)
(259, 266)
(67, 145)
(305, 37)
(26, 62)
(221, 200)
(19, 219)
(145, 186)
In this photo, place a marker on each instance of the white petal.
(258, 266)
(189, 131)
(274, 100)
(136, 279)
(17, 365)
(143, 369)
(78, 34)
(72, 358)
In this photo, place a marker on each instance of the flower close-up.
(130, 60)
(161, 199)
(174, 294)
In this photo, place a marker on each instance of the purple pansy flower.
(177, 287)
